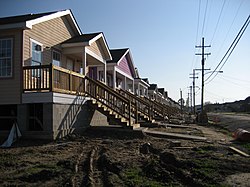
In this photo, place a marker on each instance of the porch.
(50, 78)
(53, 84)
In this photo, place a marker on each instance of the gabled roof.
(152, 87)
(117, 55)
(87, 40)
(145, 80)
(84, 38)
(161, 90)
(137, 73)
(22, 18)
(28, 20)
(166, 94)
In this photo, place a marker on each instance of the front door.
(70, 64)
(93, 72)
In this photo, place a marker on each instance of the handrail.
(173, 110)
(169, 110)
(108, 97)
(50, 78)
(36, 78)
(106, 87)
(138, 103)
(35, 67)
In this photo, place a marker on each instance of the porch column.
(84, 62)
(125, 83)
(105, 72)
(133, 86)
(114, 78)
(138, 89)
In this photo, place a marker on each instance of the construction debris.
(241, 134)
(13, 136)
(174, 135)
(239, 151)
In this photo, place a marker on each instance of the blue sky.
(162, 35)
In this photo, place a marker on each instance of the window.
(36, 57)
(101, 76)
(56, 58)
(36, 54)
(70, 65)
(6, 57)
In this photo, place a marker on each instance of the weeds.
(136, 177)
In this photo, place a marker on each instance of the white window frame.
(38, 43)
(11, 59)
(34, 74)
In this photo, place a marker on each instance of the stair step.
(135, 126)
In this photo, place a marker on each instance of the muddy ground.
(114, 157)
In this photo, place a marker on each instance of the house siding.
(10, 88)
(124, 66)
(96, 48)
(50, 34)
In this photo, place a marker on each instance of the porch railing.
(109, 97)
(162, 109)
(138, 104)
(50, 78)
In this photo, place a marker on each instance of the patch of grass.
(246, 145)
(206, 169)
(205, 149)
(41, 167)
(135, 177)
(7, 159)
(41, 172)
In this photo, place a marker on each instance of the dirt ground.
(114, 157)
(231, 121)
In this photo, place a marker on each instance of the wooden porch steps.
(113, 117)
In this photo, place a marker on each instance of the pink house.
(121, 70)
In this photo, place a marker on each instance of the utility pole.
(194, 77)
(202, 70)
(181, 100)
(190, 99)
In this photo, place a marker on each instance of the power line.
(234, 83)
(230, 49)
(235, 44)
(233, 78)
(197, 31)
(208, 14)
(204, 19)
(216, 27)
(219, 96)
(226, 35)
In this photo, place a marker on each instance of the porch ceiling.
(119, 75)
(78, 53)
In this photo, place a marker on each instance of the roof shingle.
(22, 18)
(82, 38)
(117, 55)
(152, 87)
